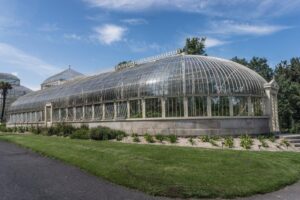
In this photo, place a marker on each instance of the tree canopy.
(195, 46)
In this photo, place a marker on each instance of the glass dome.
(173, 86)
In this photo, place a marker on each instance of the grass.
(172, 171)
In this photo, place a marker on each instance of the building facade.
(16, 91)
(171, 94)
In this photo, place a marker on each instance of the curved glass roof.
(178, 75)
(62, 76)
(12, 79)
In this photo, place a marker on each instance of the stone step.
(294, 140)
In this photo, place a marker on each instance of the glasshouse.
(16, 91)
(173, 93)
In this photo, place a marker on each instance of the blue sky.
(39, 38)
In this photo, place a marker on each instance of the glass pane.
(109, 111)
(88, 112)
(240, 106)
(98, 112)
(79, 113)
(153, 107)
(70, 114)
(220, 106)
(257, 106)
(136, 109)
(174, 107)
(122, 110)
(55, 115)
(63, 114)
(197, 106)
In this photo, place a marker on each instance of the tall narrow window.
(257, 106)
(98, 112)
(88, 112)
(109, 111)
(55, 115)
(63, 114)
(70, 114)
(240, 106)
(220, 106)
(136, 109)
(197, 106)
(153, 108)
(79, 113)
(174, 107)
(122, 110)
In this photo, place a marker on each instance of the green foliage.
(3, 128)
(149, 138)
(4, 87)
(80, 134)
(246, 141)
(160, 137)
(213, 142)
(65, 129)
(172, 138)
(135, 137)
(205, 138)
(285, 143)
(105, 133)
(287, 75)
(228, 142)
(262, 140)
(260, 65)
(195, 46)
(192, 141)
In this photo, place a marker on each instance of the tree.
(195, 46)
(4, 87)
(287, 75)
(260, 65)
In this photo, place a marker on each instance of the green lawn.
(172, 171)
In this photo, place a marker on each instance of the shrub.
(272, 138)
(135, 138)
(262, 141)
(229, 142)
(119, 137)
(21, 129)
(246, 141)
(205, 138)
(160, 138)
(192, 141)
(215, 137)
(172, 138)
(65, 129)
(149, 138)
(3, 128)
(80, 134)
(84, 126)
(52, 131)
(105, 133)
(284, 142)
(213, 142)
(37, 130)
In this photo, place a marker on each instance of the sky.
(39, 38)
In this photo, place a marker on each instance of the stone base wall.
(187, 127)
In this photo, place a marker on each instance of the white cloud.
(232, 8)
(48, 27)
(109, 33)
(12, 56)
(134, 21)
(230, 27)
(213, 42)
(72, 36)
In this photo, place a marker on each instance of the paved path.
(25, 175)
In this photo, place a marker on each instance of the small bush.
(192, 141)
(246, 141)
(105, 133)
(284, 142)
(213, 142)
(272, 138)
(172, 138)
(80, 134)
(21, 129)
(205, 138)
(160, 138)
(135, 138)
(215, 137)
(149, 138)
(3, 128)
(229, 142)
(119, 137)
(65, 129)
(262, 141)
(84, 126)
